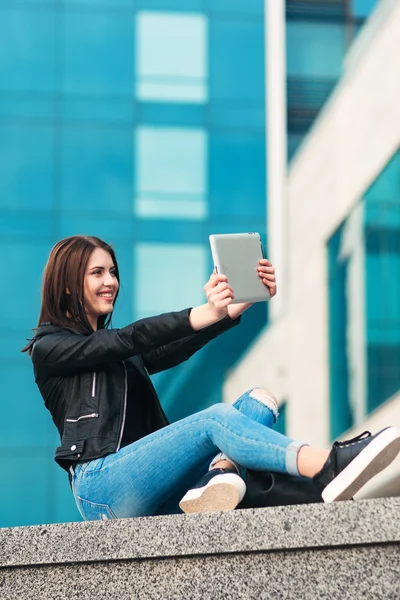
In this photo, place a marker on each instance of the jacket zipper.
(91, 416)
(124, 411)
(94, 384)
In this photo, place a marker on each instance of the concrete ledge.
(341, 550)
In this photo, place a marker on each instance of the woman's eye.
(96, 272)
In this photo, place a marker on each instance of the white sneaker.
(219, 489)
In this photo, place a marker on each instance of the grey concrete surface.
(341, 550)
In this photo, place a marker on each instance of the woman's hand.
(267, 273)
(219, 294)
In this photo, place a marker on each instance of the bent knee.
(265, 397)
(261, 394)
(219, 409)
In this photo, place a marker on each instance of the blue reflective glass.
(171, 172)
(237, 174)
(237, 7)
(98, 54)
(363, 8)
(382, 198)
(96, 4)
(29, 224)
(14, 105)
(364, 293)
(173, 5)
(26, 167)
(236, 116)
(382, 245)
(25, 263)
(113, 112)
(62, 504)
(27, 50)
(235, 73)
(171, 57)
(160, 289)
(96, 170)
(315, 49)
(293, 143)
(27, 501)
(341, 411)
(104, 225)
(11, 343)
(26, 423)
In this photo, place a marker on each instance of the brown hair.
(63, 283)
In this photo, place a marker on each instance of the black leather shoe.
(219, 489)
(352, 463)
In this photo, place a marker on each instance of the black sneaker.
(219, 489)
(352, 463)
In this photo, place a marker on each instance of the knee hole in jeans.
(266, 398)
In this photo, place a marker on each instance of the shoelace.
(358, 438)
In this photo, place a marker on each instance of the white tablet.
(236, 255)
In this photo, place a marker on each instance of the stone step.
(344, 550)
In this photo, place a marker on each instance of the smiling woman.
(78, 269)
(123, 457)
(100, 286)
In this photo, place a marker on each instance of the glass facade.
(318, 35)
(141, 122)
(364, 303)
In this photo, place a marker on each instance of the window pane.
(237, 175)
(364, 303)
(315, 49)
(26, 500)
(171, 165)
(237, 66)
(26, 167)
(363, 8)
(25, 263)
(26, 423)
(27, 50)
(98, 54)
(171, 58)
(96, 170)
(168, 277)
(382, 235)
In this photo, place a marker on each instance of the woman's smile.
(101, 285)
(107, 296)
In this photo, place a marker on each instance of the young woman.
(123, 458)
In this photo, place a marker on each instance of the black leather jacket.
(83, 378)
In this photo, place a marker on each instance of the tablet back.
(236, 255)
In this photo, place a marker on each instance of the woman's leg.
(141, 477)
(258, 405)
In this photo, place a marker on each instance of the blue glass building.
(364, 298)
(142, 122)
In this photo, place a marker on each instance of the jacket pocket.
(94, 384)
(93, 415)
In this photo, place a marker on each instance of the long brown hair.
(63, 283)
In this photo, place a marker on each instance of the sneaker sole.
(371, 461)
(215, 496)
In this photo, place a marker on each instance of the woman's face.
(100, 285)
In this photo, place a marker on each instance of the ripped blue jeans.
(150, 476)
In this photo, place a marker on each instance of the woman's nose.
(108, 279)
